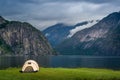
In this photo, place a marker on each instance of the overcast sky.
(43, 13)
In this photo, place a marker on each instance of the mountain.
(21, 38)
(102, 39)
(2, 20)
(59, 32)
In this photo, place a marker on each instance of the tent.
(30, 66)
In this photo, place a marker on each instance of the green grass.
(61, 74)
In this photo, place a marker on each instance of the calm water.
(111, 62)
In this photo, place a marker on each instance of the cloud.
(76, 29)
(42, 13)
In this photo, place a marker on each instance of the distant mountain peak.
(59, 24)
(115, 16)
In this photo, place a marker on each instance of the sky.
(44, 13)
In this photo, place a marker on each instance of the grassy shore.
(61, 74)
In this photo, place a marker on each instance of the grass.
(61, 74)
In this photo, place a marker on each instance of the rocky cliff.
(21, 38)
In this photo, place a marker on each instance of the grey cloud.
(92, 1)
(48, 12)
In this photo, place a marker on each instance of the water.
(71, 61)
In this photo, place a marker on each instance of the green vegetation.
(4, 48)
(61, 74)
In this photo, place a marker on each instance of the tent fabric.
(30, 66)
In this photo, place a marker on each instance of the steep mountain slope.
(100, 39)
(22, 39)
(59, 32)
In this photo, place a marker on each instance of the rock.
(23, 39)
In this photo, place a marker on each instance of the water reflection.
(18, 61)
(111, 62)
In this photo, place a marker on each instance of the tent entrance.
(29, 69)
